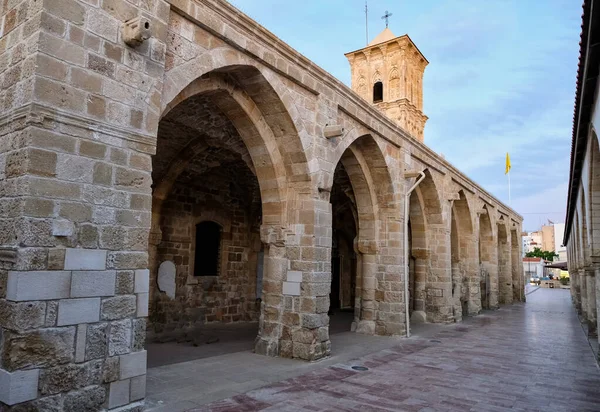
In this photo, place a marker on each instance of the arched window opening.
(377, 92)
(208, 249)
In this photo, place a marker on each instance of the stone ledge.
(36, 114)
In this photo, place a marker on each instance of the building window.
(377, 92)
(208, 249)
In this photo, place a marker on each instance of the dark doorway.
(377, 92)
(208, 245)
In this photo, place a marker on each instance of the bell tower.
(389, 74)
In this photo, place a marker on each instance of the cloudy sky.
(501, 78)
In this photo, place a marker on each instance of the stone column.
(492, 268)
(439, 300)
(583, 292)
(79, 119)
(366, 323)
(272, 305)
(306, 280)
(591, 301)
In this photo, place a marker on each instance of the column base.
(366, 327)
(266, 347)
(418, 316)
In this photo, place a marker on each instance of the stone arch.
(486, 257)
(465, 279)
(268, 144)
(270, 96)
(587, 273)
(372, 193)
(431, 266)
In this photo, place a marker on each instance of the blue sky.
(501, 78)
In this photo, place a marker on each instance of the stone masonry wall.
(79, 115)
(228, 297)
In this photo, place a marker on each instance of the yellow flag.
(507, 164)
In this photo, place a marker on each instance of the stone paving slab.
(494, 362)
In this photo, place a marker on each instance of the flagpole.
(509, 188)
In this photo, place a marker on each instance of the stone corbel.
(452, 197)
(367, 247)
(333, 130)
(482, 211)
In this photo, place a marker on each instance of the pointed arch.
(268, 93)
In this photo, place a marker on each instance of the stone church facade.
(166, 164)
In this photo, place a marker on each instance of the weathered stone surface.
(47, 404)
(71, 376)
(97, 341)
(111, 370)
(118, 307)
(23, 315)
(90, 399)
(125, 282)
(119, 340)
(139, 334)
(51, 313)
(38, 348)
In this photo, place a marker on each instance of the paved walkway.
(532, 357)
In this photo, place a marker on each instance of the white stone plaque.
(166, 278)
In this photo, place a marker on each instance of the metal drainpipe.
(408, 175)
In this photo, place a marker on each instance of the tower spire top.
(386, 16)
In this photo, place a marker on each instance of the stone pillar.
(305, 281)
(272, 305)
(366, 323)
(79, 120)
(439, 301)
(492, 268)
(591, 301)
(583, 292)
(504, 274)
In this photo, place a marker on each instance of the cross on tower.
(386, 16)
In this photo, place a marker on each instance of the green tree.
(544, 254)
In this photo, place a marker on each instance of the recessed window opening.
(377, 92)
(208, 249)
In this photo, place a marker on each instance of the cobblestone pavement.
(524, 357)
